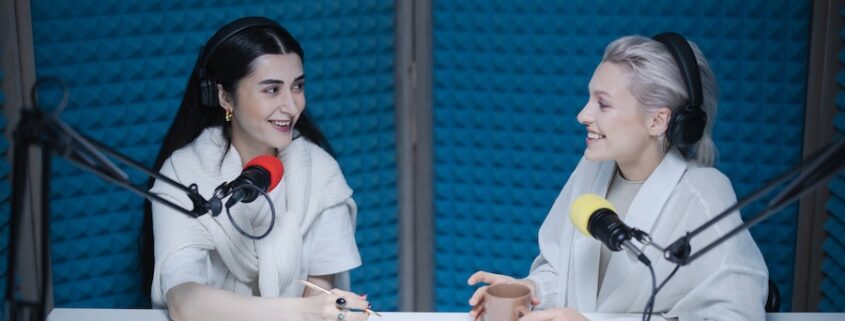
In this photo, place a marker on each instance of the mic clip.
(679, 251)
(641, 236)
(201, 206)
(645, 239)
(215, 203)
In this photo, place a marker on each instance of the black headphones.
(208, 87)
(686, 126)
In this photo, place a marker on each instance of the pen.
(318, 288)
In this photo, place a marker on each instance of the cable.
(668, 277)
(272, 213)
(649, 306)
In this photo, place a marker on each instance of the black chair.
(773, 299)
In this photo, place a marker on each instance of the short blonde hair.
(655, 80)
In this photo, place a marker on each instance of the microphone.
(595, 216)
(263, 172)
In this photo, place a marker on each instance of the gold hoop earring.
(228, 115)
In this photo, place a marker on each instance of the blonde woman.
(650, 153)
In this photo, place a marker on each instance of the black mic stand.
(46, 130)
(811, 173)
(805, 177)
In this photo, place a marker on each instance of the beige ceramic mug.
(506, 301)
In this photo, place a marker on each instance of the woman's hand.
(555, 314)
(330, 307)
(477, 299)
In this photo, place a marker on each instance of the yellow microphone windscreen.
(583, 207)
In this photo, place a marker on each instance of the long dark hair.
(228, 63)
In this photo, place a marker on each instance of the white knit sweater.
(312, 182)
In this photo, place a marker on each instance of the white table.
(64, 314)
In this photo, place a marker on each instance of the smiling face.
(266, 105)
(618, 127)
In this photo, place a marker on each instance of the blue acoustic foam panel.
(127, 62)
(833, 266)
(510, 78)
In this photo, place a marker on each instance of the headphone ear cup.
(694, 127)
(208, 93)
(686, 127)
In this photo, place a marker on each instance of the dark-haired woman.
(204, 268)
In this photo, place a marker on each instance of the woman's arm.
(194, 301)
(324, 281)
(331, 242)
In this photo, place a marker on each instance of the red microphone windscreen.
(272, 165)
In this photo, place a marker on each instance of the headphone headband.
(686, 126)
(685, 58)
(227, 32)
(207, 85)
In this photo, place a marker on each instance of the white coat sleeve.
(334, 247)
(545, 276)
(546, 283)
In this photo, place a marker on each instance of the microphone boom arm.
(199, 203)
(813, 172)
(46, 130)
(192, 192)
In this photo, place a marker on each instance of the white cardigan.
(312, 182)
(728, 283)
